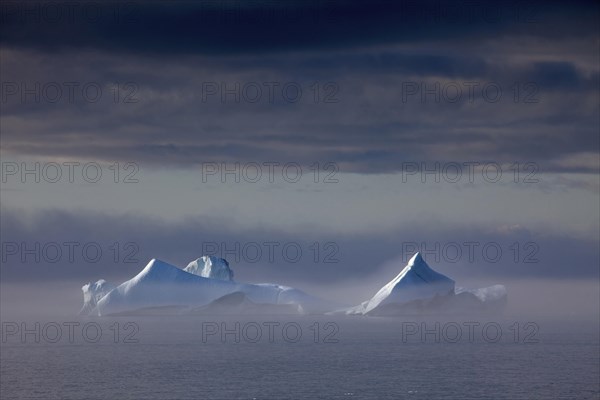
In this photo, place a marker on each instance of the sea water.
(292, 357)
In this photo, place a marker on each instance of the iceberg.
(92, 293)
(237, 303)
(161, 284)
(210, 267)
(418, 289)
(206, 286)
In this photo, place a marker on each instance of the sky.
(352, 132)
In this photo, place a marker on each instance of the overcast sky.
(361, 97)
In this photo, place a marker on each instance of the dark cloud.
(375, 65)
(374, 125)
(258, 26)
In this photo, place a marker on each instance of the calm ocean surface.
(309, 357)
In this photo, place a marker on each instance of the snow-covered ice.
(418, 288)
(210, 267)
(416, 281)
(162, 284)
(92, 293)
(207, 284)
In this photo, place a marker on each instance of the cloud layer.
(363, 85)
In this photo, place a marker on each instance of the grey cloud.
(373, 127)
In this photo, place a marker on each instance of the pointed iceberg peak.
(415, 281)
(418, 272)
(210, 267)
(416, 259)
(418, 265)
(154, 262)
